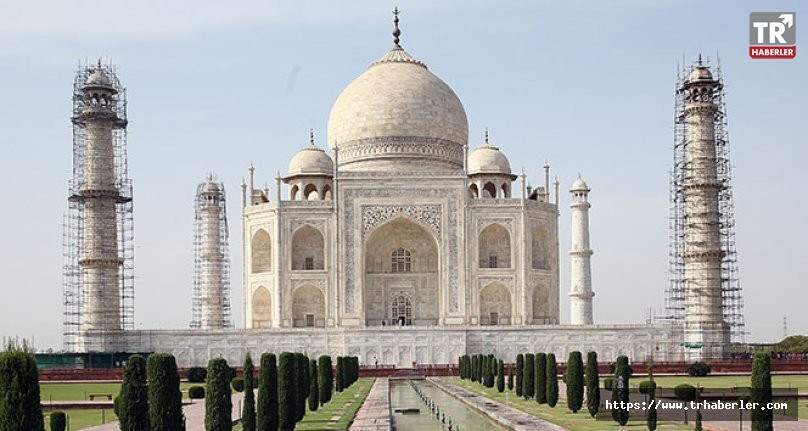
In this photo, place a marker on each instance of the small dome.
(98, 77)
(700, 73)
(211, 187)
(579, 186)
(311, 160)
(487, 159)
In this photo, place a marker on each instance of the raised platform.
(401, 346)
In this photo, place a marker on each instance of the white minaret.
(581, 278)
(211, 308)
(705, 329)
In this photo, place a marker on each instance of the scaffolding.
(211, 288)
(731, 292)
(119, 232)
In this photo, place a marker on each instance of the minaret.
(212, 278)
(706, 332)
(581, 277)
(99, 251)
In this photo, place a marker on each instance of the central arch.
(261, 308)
(401, 260)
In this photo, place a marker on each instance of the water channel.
(464, 418)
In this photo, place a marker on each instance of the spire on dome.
(396, 30)
(486, 137)
(311, 137)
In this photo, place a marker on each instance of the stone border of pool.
(374, 414)
(505, 415)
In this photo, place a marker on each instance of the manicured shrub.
(248, 407)
(510, 378)
(552, 380)
(133, 400)
(528, 385)
(644, 386)
(520, 377)
(540, 392)
(197, 374)
(490, 371)
(620, 391)
(218, 402)
(301, 385)
(762, 392)
(685, 393)
(237, 384)
(500, 377)
(651, 419)
(287, 397)
(314, 390)
(575, 382)
(58, 421)
(340, 383)
(165, 398)
(474, 360)
(19, 392)
(325, 379)
(480, 369)
(592, 384)
(195, 393)
(267, 405)
(698, 369)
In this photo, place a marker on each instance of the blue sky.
(214, 86)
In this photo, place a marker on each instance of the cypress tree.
(134, 396)
(552, 380)
(314, 390)
(510, 378)
(480, 369)
(248, 409)
(325, 379)
(267, 417)
(165, 397)
(575, 382)
(593, 384)
(340, 373)
(218, 403)
(301, 385)
(520, 369)
(528, 385)
(620, 391)
(287, 397)
(501, 377)
(651, 419)
(761, 392)
(58, 420)
(541, 378)
(489, 371)
(19, 392)
(474, 368)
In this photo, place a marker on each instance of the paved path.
(508, 416)
(374, 415)
(194, 415)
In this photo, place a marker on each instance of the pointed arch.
(506, 190)
(293, 192)
(495, 305)
(489, 190)
(326, 192)
(261, 306)
(308, 249)
(474, 192)
(308, 307)
(539, 248)
(261, 252)
(310, 193)
(495, 247)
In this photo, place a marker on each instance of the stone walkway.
(374, 415)
(194, 415)
(508, 416)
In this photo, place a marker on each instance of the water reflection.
(463, 417)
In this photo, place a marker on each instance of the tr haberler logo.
(772, 34)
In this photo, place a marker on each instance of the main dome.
(398, 116)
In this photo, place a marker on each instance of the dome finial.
(700, 59)
(311, 137)
(396, 31)
(486, 136)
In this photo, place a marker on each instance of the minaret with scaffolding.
(99, 252)
(211, 296)
(704, 293)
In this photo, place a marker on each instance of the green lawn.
(778, 381)
(343, 405)
(80, 419)
(78, 391)
(559, 415)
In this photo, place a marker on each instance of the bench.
(92, 396)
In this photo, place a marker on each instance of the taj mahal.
(399, 240)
